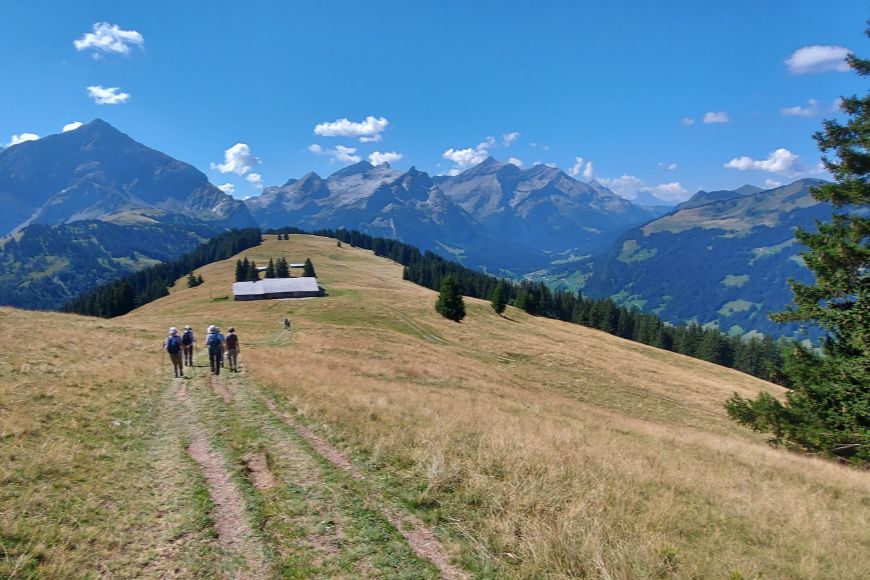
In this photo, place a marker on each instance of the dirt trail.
(221, 389)
(419, 536)
(230, 519)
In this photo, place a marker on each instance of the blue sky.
(443, 84)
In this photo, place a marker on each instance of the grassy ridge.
(541, 447)
(534, 447)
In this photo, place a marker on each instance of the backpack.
(187, 338)
(173, 345)
(214, 342)
(232, 341)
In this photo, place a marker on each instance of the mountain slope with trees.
(726, 262)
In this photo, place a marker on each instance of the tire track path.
(234, 531)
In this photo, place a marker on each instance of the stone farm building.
(272, 288)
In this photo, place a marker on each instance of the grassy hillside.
(530, 447)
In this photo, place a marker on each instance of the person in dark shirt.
(233, 350)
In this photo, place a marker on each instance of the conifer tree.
(270, 269)
(199, 279)
(191, 281)
(450, 304)
(498, 300)
(253, 274)
(338, 243)
(241, 270)
(828, 408)
(308, 269)
(282, 269)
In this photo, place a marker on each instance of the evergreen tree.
(282, 269)
(253, 275)
(241, 270)
(308, 269)
(191, 281)
(338, 243)
(498, 300)
(270, 269)
(199, 280)
(450, 304)
(828, 408)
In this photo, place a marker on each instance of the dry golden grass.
(546, 448)
(92, 480)
(542, 449)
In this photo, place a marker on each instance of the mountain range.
(88, 205)
(494, 216)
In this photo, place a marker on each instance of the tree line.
(760, 357)
(247, 270)
(122, 296)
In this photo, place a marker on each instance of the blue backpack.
(173, 345)
(214, 342)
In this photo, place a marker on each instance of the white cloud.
(368, 130)
(346, 154)
(16, 139)
(228, 188)
(716, 117)
(469, 157)
(341, 153)
(109, 38)
(255, 179)
(668, 166)
(818, 58)
(837, 105)
(72, 126)
(516, 161)
(107, 95)
(811, 110)
(378, 158)
(509, 138)
(672, 191)
(770, 183)
(629, 187)
(687, 121)
(780, 161)
(581, 166)
(238, 159)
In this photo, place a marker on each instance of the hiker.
(187, 342)
(215, 344)
(286, 324)
(233, 350)
(173, 348)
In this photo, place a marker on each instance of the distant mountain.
(97, 172)
(541, 207)
(494, 216)
(706, 197)
(722, 262)
(90, 205)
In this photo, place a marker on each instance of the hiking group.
(181, 349)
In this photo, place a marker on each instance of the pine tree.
(308, 269)
(450, 304)
(241, 270)
(253, 274)
(270, 269)
(282, 269)
(199, 280)
(498, 300)
(828, 408)
(191, 281)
